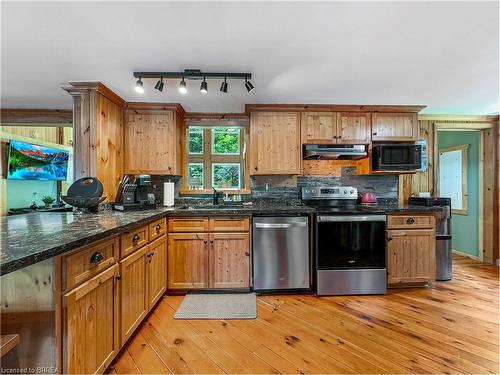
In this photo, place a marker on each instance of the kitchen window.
(215, 157)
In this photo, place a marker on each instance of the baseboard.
(466, 255)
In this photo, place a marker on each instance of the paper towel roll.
(168, 194)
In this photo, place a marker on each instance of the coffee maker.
(134, 196)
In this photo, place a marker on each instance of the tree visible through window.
(215, 157)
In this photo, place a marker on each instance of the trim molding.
(141, 106)
(333, 108)
(466, 255)
(36, 117)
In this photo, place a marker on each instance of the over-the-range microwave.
(396, 157)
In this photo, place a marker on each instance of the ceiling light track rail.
(192, 74)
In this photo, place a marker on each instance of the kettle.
(368, 197)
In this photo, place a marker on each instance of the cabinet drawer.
(409, 221)
(157, 229)
(188, 224)
(133, 240)
(88, 262)
(229, 224)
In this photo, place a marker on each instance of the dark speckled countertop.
(31, 238)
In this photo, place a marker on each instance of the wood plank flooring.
(451, 327)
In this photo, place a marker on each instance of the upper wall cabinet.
(152, 142)
(319, 127)
(331, 127)
(353, 127)
(275, 143)
(394, 127)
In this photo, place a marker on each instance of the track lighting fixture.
(191, 74)
(139, 87)
(204, 86)
(248, 85)
(159, 85)
(223, 86)
(182, 87)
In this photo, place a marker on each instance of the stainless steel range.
(350, 255)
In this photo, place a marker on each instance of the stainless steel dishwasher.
(281, 257)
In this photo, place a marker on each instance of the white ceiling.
(441, 54)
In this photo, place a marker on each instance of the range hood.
(332, 152)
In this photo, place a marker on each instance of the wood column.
(97, 134)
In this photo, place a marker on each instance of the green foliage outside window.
(226, 176)
(226, 140)
(195, 140)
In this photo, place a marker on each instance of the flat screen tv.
(34, 162)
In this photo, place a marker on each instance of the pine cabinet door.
(394, 127)
(150, 142)
(275, 143)
(319, 127)
(156, 270)
(134, 305)
(411, 256)
(353, 128)
(187, 260)
(229, 260)
(91, 324)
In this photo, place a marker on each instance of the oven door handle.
(348, 218)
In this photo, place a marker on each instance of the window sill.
(206, 191)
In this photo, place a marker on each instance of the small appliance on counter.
(368, 197)
(134, 196)
(350, 255)
(443, 234)
(396, 157)
(85, 194)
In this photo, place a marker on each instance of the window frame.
(207, 158)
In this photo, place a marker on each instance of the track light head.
(223, 86)
(248, 85)
(183, 87)
(204, 86)
(159, 85)
(139, 87)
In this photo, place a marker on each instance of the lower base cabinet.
(156, 269)
(229, 259)
(213, 255)
(134, 305)
(187, 260)
(410, 256)
(91, 325)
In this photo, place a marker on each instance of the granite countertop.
(31, 238)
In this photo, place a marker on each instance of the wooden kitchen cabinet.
(134, 303)
(319, 127)
(411, 256)
(394, 127)
(187, 260)
(91, 324)
(156, 264)
(229, 260)
(275, 143)
(353, 127)
(152, 142)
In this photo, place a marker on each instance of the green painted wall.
(465, 228)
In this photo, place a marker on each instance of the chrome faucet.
(215, 197)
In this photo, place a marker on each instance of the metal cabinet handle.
(150, 254)
(211, 241)
(158, 228)
(205, 242)
(375, 133)
(118, 277)
(136, 238)
(410, 221)
(97, 257)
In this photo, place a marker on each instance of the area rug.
(218, 306)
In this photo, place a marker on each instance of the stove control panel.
(326, 192)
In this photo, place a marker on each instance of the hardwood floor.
(448, 328)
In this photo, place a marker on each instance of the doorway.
(464, 159)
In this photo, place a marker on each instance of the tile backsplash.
(385, 186)
(289, 187)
